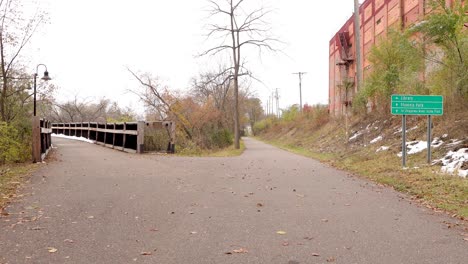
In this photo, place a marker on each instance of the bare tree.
(214, 85)
(157, 98)
(242, 28)
(15, 33)
(85, 110)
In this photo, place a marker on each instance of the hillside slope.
(372, 149)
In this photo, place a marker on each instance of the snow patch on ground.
(455, 162)
(414, 147)
(408, 130)
(454, 142)
(74, 138)
(368, 128)
(437, 142)
(356, 135)
(377, 139)
(382, 148)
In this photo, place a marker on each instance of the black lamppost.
(44, 78)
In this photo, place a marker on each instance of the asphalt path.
(91, 204)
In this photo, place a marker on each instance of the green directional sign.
(417, 104)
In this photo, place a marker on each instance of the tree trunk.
(4, 79)
(236, 115)
(235, 56)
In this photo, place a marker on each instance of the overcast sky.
(89, 43)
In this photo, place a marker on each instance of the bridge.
(134, 137)
(91, 204)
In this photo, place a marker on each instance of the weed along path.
(91, 204)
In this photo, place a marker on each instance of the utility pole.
(277, 104)
(300, 88)
(357, 43)
(272, 103)
(268, 107)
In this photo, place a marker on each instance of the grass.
(425, 183)
(226, 152)
(12, 176)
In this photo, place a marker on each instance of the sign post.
(403, 145)
(417, 105)
(429, 138)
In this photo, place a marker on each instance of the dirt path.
(97, 205)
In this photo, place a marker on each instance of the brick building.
(376, 17)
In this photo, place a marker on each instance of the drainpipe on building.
(357, 41)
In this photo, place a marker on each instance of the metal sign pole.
(429, 138)
(403, 147)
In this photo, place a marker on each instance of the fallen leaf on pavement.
(315, 254)
(240, 250)
(145, 253)
(281, 232)
(52, 249)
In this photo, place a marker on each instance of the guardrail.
(41, 138)
(134, 137)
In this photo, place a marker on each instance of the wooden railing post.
(124, 135)
(173, 136)
(141, 137)
(36, 139)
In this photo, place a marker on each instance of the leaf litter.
(52, 249)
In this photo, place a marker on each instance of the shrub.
(262, 125)
(221, 138)
(291, 113)
(14, 143)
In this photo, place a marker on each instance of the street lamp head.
(46, 76)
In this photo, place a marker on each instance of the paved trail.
(97, 205)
